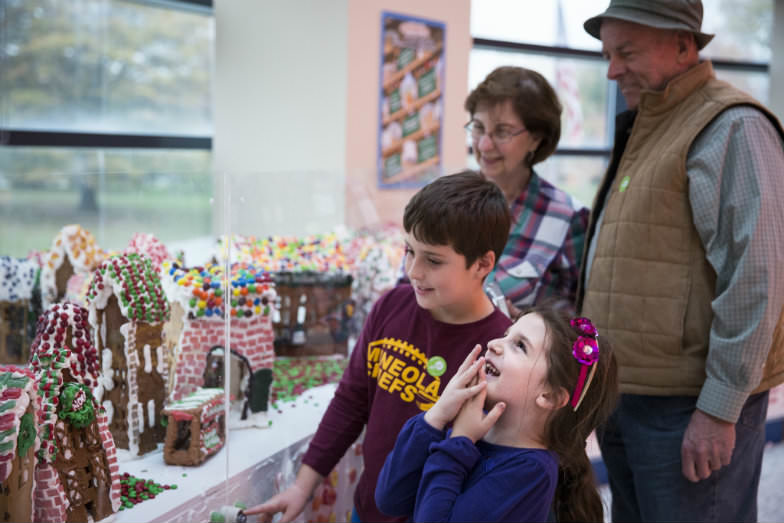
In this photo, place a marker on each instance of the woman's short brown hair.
(533, 99)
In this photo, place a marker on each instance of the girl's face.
(516, 364)
(442, 283)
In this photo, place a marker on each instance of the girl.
(520, 417)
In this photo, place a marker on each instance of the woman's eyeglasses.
(499, 136)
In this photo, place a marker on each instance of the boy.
(414, 339)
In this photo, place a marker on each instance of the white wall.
(279, 102)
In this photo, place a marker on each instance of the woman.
(515, 124)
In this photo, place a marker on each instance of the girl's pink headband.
(586, 351)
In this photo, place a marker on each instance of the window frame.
(51, 138)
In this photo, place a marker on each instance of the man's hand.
(707, 446)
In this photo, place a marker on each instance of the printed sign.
(411, 99)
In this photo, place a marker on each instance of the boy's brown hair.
(462, 210)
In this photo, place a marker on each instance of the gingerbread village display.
(131, 353)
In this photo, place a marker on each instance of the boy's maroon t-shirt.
(400, 365)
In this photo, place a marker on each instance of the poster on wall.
(411, 101)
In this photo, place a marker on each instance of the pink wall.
(365, 204)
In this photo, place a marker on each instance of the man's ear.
(485, 263)
(552, 399)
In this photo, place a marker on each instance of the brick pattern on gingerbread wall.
(51, 503)
(252, 337)
(111, 458)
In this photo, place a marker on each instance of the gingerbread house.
(77, 475)
(18, 443)
(149, 245)
(20, 306)
(196, 427)
(73, 251)
(313, 280)
(127, 312)
(199, 292)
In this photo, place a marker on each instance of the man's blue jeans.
(641, 448)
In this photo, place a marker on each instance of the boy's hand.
(291, 502)
(461, 387)
(471, 421)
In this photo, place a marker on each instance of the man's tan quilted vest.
(650, 286)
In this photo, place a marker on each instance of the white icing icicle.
(147, 359)
(107, 405)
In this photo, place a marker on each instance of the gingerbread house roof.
(52, 353)
(144, 243)
(136, 284)
(196, 403)
(17, 432)
(78, 246)
(17, 278)
(200, 291)
(325, 253)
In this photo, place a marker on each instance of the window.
(105, 120)
(549, 38)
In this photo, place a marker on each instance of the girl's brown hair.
(576, 495)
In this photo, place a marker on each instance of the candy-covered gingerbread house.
(199, 292)
(73, 251)
(196, 427)
(313, 281)
(127, 312)
(77, 475)
(18, 443)
(149, 245)
(20, 306)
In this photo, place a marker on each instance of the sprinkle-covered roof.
(144, 243)
(316, 253)
(62, 342)
(200, 290)
(17, 429)
(136, 284)
(79, 246)
(17, 278)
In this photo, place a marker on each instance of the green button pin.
(436, 366)
(624, 183)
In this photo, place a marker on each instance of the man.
(684, 271)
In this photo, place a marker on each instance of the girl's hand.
(461, 387)
(471, 421)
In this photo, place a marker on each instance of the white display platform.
(253, 465)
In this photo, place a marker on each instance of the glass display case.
(189, 281)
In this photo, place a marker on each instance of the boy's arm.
(399, 479)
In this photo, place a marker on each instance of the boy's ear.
(552, 399)
(485, 263)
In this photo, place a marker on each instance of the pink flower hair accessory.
(586, 351)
